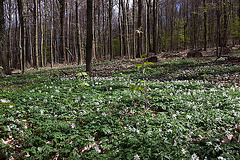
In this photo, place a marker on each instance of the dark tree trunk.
(205, 24)
(62, 32)
(110, 30)
(3, 53)
(89, 40)
(36, 32)
(154, 28)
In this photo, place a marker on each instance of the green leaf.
(144, 70)
(149, 63)
(80, 74)
(139, 66)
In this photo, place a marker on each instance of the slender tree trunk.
(205, 24)
(239, 20)
(185, 23)
(22, 43)
(89, 40)
(67, 32)
(110, 29)
(154, 28)
(148, 13)
(3, 53)
(62, 31)
(225, 24)
(36, 33)
(120, 28)
(140, 28)
(104, 30)
(99, 46)
(16, 48)
(93, 34)
(51, 34)
(134, 31)
(127, 29)
(124, 27)
(79, 49)
(42, 36)
(9, 56)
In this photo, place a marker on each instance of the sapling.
(142, 86)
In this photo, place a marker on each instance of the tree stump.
(194, 53)
(152, 59)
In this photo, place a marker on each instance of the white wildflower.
(104, 114)
(221, 158)
(41, 111)
(4, 101)
(73, 125)
(188, 117)
(137, 131)
(174, 116)
(184, 151)
(170, 131)
(97, 149)
(195, 157)
(149, 132)
(136, 157)
(217, 148)
(209, 143)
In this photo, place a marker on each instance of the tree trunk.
(124, 28)
(89, 39)
(205, 24)
(9, 55)
(225, 24)
(36, 33)
(134, 31)
(62, 31)
(67, 32)
(239, 20)
(42, 38)
(3, 53)
(148, 13)
(154, 28)
(79, 49)
(110, 30)
(140, 28)
(51, 34)
(120, 28)
(93, 34)
(22, 43)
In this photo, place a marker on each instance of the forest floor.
(176, 108)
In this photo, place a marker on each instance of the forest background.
(42, 33)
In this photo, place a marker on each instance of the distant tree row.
(37, 33)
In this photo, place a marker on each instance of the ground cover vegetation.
(173, 109)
